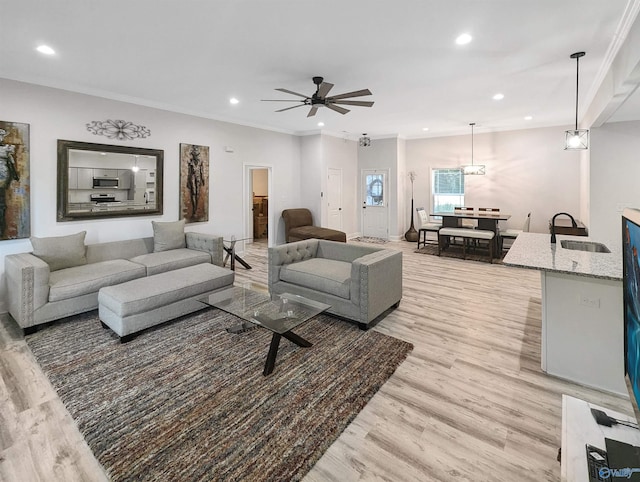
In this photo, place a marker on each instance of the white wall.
(260, 182)
(527, 170)
(55, 114)
(310, 178)
(615, 177)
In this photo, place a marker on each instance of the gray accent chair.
(359, 282)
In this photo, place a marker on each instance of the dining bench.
(466, 234)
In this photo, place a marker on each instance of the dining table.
(487, 220)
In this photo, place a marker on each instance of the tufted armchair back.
(290, 253)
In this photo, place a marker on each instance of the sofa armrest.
(27, 286)
(209, 243)
(376, 282)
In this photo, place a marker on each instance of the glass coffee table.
(279, 316)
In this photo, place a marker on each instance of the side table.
(231, 253)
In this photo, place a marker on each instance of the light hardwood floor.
(470, 403)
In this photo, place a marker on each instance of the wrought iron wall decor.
(118, 129)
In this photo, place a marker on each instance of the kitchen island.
(582, 309)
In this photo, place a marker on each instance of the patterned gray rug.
(188, 401)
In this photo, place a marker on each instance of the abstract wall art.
(194, 183)
(15, 209)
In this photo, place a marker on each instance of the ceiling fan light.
(576, 139)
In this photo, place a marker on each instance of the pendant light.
(577, 139)
(473, 169)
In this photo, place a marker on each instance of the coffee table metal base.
(275, 344)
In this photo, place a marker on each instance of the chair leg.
(491, 244)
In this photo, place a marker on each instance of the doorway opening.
(258, 224)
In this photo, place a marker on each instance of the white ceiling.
(191, 56)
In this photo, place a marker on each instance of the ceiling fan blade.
(342, 110)
(281, 100)
(287, 108)
(313, 111)
(361, 103)
(287, 91)
(355, 93)
(324, 89)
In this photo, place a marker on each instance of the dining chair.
(489, 210)
(426, 227)
(466, 223)
(512, 234)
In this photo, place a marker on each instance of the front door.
(334, 199)
(375, 206)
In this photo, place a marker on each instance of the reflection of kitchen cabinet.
(151, 176)
(124, 178)
(85, 178)
(73, 178)
(105, 173)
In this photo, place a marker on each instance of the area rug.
(188, 401)
(456, 252)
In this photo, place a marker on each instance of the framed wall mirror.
(100, 181)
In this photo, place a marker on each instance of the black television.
(631, 297)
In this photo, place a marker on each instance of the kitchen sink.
(584, 246)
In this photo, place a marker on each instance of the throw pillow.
(61, 252)
(168, 236)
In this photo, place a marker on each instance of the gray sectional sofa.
(359, 282)
(62, 276)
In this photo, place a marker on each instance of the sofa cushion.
(61, 252)
(169, 260)
(89, 278)
(311, 232)
(168, 236)
(142, 295)
(326, 275)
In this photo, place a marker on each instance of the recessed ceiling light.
(425, 129)
(234, 101)
(45, 49)
(498, 97)
(528, 117)
(464, 39)
(320, 124)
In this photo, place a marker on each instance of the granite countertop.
(535, 251)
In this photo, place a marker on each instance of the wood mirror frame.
(104, 172)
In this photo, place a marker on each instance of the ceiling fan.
(320, 99)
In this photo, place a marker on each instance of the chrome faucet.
(553, 225)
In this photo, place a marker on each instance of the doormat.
(368, 239)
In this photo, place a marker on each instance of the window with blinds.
(447, 189)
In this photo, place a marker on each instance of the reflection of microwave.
(105, 182)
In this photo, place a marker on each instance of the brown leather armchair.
(298, 225)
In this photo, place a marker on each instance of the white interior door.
(334, 198)
(375, 206)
